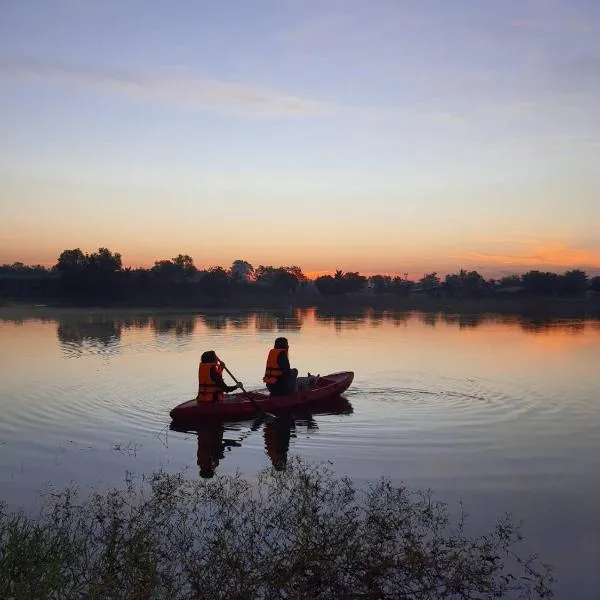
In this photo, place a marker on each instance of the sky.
(384, 136)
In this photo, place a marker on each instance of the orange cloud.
(551, 255)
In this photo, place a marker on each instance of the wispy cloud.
(178, 88)
(546, 255)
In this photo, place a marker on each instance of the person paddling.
(211, 387)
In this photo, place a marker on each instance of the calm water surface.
(502, 413)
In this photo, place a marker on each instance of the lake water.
(502, 413)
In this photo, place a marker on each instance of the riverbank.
(533, 306)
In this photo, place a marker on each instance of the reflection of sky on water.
(499, 411)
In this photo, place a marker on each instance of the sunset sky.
(373, 135)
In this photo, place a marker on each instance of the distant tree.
(430, 282)
(510, 281)
(84, 275)
(380, 283)
(103, 272)
(18, 268)
(296, 272)
(264, 273)
(72, 267)
(185, 264)
(104, 261)
(216, 282)
(241, 270)
(595, 283)
(538, 282)
(354, 282)
(469, 284)
(572, 283)
(284, 281)
(326, 285)
(71, 261)
(178, 268)
(402, 286)
(340, 283)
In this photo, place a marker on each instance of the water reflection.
(180, 327)
(212, 446)
(341, 320)
(80, 333)
(215, 438)
(215, 322)
(95, 335)
(463, 320)
(106, 330)
(428, 319)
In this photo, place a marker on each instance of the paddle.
(266, 415)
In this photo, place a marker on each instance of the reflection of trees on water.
(136, 322)
(289, 323)
(265, 322)
(429, 319)
(463, 320)
(241, 321)
(93, 336)
(216, 322)
(399, 317)
(339, 319)
(377, 317)
(547, 325)
(181, 327)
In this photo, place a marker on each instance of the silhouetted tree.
(296, 272)
(465, 284)
(572, 283)
(284, 281)
(265, 274)
(354, 282)
(401, 286)
(71, 266)
(430, 283)
(216, 282)
(595, 283)
(340, 283)
(86, 275)
(380, 283)
(537, 282)
(327, 285)
(178, 268)
(241, 270)
(510, 281)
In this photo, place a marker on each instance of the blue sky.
(385, 136)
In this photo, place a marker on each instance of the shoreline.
(527, 306)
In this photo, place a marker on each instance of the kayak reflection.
(215, 438)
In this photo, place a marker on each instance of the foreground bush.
(300, 534)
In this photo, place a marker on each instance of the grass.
(304, 533)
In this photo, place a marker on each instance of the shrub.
(303, 533)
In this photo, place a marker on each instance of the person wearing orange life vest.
(279, 376)
(211, 387)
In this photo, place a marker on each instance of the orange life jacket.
(208, 390)
(272, 371)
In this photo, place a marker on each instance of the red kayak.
(238, 406)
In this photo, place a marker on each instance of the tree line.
(100, 276)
